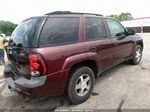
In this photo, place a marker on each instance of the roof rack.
(68, 12)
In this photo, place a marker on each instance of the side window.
(115, 27)
(59, 30)
(94, 28)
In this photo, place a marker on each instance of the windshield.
(23, 34)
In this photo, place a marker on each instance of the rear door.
(97, 41)
(122, 43)
(20, 43)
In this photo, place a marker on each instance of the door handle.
(93, 48)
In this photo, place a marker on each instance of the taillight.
(34, 66)
(37, 65)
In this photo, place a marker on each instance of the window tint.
(115, 27)
(23, 34)
(94, 28)
(57, 31)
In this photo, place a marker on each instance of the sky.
(18, 10)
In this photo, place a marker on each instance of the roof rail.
(68, 12)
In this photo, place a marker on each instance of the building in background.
(138, 24)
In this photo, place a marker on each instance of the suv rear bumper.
(36, 87)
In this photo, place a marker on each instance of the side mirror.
(121, 34)
(130, 32)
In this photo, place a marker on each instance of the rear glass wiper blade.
(15, 48)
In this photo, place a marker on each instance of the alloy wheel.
(138, 55)
(83, 85)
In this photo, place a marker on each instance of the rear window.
(23, 34)
(59, 31)
(95, 28)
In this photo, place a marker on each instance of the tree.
(125, 16)
(7, 27)
(114, 16)
(122, 16)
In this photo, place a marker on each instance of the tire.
(137, 56)
(80, 85)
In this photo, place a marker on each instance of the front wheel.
(80, 84)
(137, 56)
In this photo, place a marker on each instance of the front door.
(122, 43)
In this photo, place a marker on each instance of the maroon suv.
(65, 52)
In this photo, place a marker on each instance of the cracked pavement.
(122, 87)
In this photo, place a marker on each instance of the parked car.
(65, 52)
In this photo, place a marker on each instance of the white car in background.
(6, 38)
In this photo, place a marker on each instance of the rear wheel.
(137, 55)
(80, 85)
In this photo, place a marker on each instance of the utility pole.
(142, 26)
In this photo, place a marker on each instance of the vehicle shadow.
(111, 71)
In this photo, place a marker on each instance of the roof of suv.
(71, 13)
(66, 13)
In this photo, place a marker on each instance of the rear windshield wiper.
(14, 48)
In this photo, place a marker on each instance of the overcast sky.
(17, 10)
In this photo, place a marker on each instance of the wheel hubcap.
(83, 85)
(138, 55)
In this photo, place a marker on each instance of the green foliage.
(125, 16)
(114, 16)
(1, 32)
(122, 16)
(7, 27)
